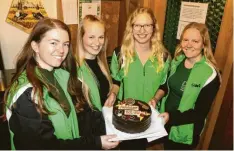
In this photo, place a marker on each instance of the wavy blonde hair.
(101, 57)
(127, 52)
(207, 50)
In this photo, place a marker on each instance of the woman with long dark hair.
(45, 94)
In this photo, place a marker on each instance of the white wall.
(11, 38)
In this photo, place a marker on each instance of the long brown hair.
(26, 62)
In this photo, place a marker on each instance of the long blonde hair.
(207, 50)
(127, 52)
(101, 57)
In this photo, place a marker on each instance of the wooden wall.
(110, 14)
(224, 57)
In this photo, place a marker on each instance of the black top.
(102, 81)
(176, 83)
(32, 131)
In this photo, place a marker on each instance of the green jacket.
(201, 74)
(85, 75)
(65, 127)
(141, 82)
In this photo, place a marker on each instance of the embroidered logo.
(183, 86)
(196, 85)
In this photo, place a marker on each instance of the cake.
(131, 116)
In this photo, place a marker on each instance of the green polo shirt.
(141, 81)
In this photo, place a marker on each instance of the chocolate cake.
(131, 116)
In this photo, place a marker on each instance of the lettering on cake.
(128, 107)
(132, 112)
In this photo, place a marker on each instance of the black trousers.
(135, 144)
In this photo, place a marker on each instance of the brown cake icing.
(131, 116)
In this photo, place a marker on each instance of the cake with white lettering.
(131, 116)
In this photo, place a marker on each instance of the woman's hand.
(110, 100)
(165, 117)
(106, 143)
(152, 102)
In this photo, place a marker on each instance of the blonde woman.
(94, 73)
(192, 86)
(94, 70)
(141, 63)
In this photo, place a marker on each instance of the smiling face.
(93, 39)
(52, 49)
(142, 28)
(192, 44)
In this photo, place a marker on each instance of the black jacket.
(32, 131)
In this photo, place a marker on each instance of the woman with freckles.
(191, 87)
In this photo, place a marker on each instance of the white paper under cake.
(155, 131)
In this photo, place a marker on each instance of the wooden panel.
(159, 7)
(59, 10)
(122, 21)
(126, 8)
(222, 138)
(225, 36)
(110, 14)
(224, 57)
(73, 28)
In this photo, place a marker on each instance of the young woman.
(141, 64)
(43, 97)
(191, 88)
(93, 68)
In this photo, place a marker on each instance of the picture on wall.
(24, 14)
(89, 7)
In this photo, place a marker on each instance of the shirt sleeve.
(114, 66)
(164, 88)
(33, 131)
(116, 82)
(201, 109)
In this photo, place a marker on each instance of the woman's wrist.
(155, 99)
(114, 94)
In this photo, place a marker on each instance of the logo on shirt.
(183, 86)
(196, 85)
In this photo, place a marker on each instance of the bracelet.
(155, 99)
